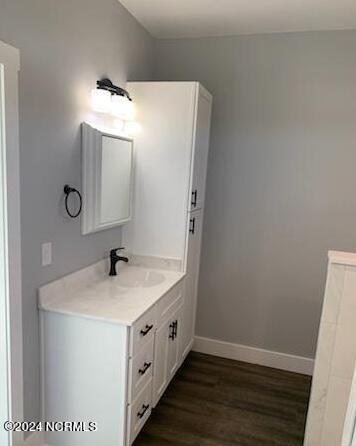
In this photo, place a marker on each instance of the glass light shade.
(121, 107)
(101, 100)
(132, 128)
(131, 112)
(119, 124)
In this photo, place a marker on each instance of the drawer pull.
(145, 408)
(146, 330)
(145, 367)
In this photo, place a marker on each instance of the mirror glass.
(115, 179)
(107, 179)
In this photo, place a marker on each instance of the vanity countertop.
(123, 299)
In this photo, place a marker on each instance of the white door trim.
(10, 61)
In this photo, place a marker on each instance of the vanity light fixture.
(109, 98)
(101, 101)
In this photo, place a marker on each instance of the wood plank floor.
(219, 402)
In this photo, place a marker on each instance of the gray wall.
(281, 180)
(66, 45)
(281, 176)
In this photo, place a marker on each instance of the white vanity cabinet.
(110, 348)
(171, 156)
(108, 353)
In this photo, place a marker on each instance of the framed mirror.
(107, 163)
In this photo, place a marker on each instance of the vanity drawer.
(140, 371)
(170, 302)
(142, 332)
(138, 412)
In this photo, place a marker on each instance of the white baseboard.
(254, 355)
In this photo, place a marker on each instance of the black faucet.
(114, 258)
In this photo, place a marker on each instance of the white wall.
(281, 179)
(65, 47)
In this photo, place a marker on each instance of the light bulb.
(123, 108)
(119, 106)
(101, 100)
(131, 112)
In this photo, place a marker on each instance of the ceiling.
(203, 18)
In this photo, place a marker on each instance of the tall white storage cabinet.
(171, 156)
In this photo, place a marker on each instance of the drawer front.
(138, 412)
(143, 330)
(169, 303)
(140, 371)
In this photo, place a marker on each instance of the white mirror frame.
(91, 178)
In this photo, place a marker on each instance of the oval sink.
(137, 278)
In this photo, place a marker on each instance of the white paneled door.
(201, 149)
(191, 281)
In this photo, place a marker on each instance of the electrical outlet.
(46, 254)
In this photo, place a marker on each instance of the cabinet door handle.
(194, 198)
(174, 330)
(144, 409)
(147, 329)
(171, 331)
(192, 226)
(145, 367)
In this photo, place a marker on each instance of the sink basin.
(132, 277)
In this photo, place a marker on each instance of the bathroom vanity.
(110, 346)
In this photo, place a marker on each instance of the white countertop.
(123, 299)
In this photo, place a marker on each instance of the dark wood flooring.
(218, 402)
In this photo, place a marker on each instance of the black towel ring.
(69, 190)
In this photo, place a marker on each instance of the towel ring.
(69, 190)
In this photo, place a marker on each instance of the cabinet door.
(191, 281)
(163, 151)
(201, 149)
(173, 350)
(166, 359)
(160, 373)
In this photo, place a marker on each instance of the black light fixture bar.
(106, 84)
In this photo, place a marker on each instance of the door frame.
(10, 66)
